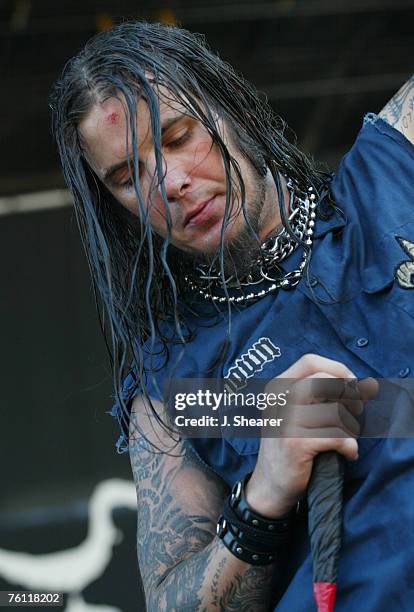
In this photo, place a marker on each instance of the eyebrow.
(167, 124)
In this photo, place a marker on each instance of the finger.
(310, 364)
(341, 390)
(321, 386)
(347, 421)
(346, 446)
(305, 420)
(368, 388)
(318, 387)
(357, 393)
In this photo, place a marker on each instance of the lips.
(200, 213)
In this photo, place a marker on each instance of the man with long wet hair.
(219, 250)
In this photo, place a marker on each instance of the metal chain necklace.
(302, 207)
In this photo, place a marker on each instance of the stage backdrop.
(67, 504)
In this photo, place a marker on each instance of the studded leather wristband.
(239, 550)
(246, 513)
(253, 537)
(247, 534)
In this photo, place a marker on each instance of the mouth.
(200, 214)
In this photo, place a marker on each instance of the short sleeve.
(121, 410)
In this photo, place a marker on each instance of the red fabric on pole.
(324, 593)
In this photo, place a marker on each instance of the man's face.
(194, 175)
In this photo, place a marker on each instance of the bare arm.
(399, 111)
(184, 566)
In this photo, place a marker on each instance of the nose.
(177, 181)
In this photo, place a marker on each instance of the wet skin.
(194, 175)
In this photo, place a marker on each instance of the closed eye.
(128, 184)
(179, 141)
(126, 179)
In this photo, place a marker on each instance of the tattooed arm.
(184, 566)
(399, 112)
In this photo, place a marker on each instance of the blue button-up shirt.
(355, 306)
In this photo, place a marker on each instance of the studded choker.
(208, 283)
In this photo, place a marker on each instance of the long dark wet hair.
(132, 269)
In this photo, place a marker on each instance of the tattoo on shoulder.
(399, 112)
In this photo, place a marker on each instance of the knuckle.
(308, 360)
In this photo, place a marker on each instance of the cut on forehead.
(112, 126)
(112, 118)
(158, 96)
(145, 108)
(143, 111)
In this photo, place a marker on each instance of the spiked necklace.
(302, 207)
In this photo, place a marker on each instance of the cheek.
(207, 158)
(157, 214)
(128, 202)
(157, 217)
(133, 208)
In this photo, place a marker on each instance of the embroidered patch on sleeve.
(404, 272)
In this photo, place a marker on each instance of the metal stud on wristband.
(246, 513)
(239, 550)
(247, 534)
(252, 537)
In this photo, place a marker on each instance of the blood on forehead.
(112, 118)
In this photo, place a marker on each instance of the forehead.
(105, 128)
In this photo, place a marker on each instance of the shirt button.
(404, 372)
(362, 342)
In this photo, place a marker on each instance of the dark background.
(322, 63)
